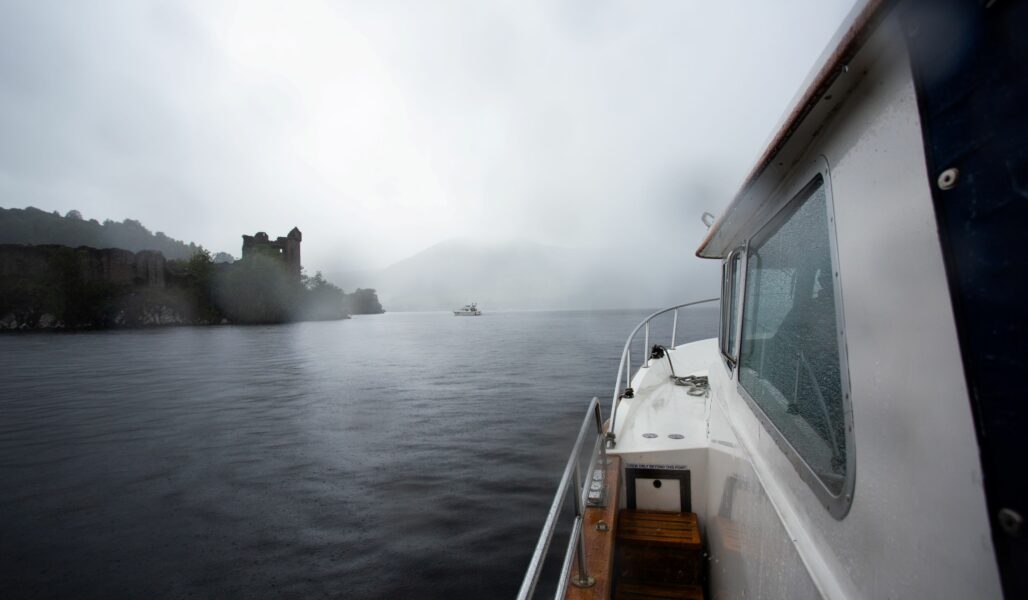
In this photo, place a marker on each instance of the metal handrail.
(576, 544)
(625, 366)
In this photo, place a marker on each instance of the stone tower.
(291, 251)
(287, 249)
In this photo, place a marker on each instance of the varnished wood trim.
(599, 545)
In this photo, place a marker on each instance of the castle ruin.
(287, 249)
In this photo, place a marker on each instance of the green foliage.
(363, 302)
(321, 300)
(198, 285)
(36, 227)
(256, 290)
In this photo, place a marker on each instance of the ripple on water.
(382, 457)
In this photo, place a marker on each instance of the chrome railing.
(591, 493)
(625, 366)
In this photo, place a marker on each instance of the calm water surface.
(408, 455)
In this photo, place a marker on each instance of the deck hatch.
(657, 482)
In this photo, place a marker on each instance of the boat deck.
(660, 407)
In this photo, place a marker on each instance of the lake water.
(407, 455)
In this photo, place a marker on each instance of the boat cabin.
(854, 431)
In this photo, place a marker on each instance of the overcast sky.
(380, 128)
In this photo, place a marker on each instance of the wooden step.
(642, 591)
(654, 528)
(659, 548)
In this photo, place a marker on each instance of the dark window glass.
(789, 362)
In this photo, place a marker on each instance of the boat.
(469, 310)
(857, 427)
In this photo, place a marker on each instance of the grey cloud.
(570, 123)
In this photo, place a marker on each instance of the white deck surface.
(663, 408)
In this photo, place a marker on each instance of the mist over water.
(381, 129)
(406, 455)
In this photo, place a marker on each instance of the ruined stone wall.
(51, 286)
(94, 265)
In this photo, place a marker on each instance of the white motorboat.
(469, 310)
(857, 428)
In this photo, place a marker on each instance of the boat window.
(731, 281)
(790, 362)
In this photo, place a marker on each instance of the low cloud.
(381, 128)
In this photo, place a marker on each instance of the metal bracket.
(597, 494)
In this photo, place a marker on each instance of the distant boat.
(469, 310)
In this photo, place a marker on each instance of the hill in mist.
(527, 275)
(36, 227)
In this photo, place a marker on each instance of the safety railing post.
(571, 474)
(626, 360)
(646, 346)
(599, 432)
(583, 579)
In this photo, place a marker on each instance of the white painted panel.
(667, 497)
(694, 458)
(752, 553)
(918, 526)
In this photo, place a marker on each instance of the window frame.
(731, 359)
(838, 505)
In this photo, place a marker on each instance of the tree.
(321, 299)
(35, 227)
(256, 290)
(364, 302)
(199, 283)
